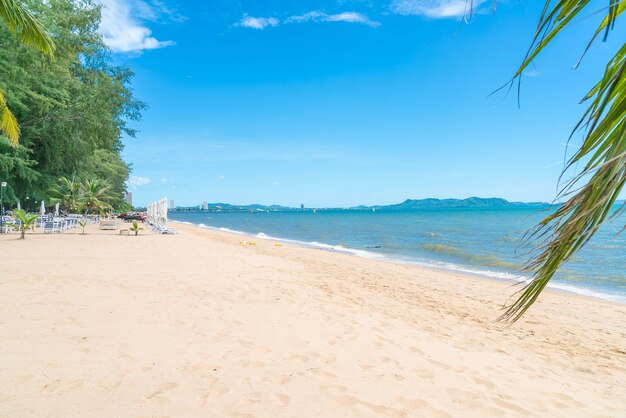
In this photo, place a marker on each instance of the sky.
(346, 102)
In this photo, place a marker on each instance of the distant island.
(409, 204)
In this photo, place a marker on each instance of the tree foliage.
(21, 23)
(591, 194)
(24, 221)
(73, 110)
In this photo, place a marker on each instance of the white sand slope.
(197, 325)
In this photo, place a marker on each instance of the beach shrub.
(83, 224)
(135, 228)
(26, 221)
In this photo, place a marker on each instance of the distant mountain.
(472, 202)
(409, 204)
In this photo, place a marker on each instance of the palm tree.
(26, 221)
(135, 228)
(591, 195)
(30, 32)
(94, 195)
(67, 193)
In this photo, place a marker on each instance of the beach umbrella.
(164, 209)
(56, 210)
(42, 209)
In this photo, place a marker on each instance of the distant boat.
(373, 209)
(314, 211)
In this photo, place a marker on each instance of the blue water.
(480, 241)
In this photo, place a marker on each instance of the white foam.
(438, 265)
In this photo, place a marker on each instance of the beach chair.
(51, 227)
(109, 225)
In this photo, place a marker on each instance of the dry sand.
(198, 325)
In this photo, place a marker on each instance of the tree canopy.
(73, 110)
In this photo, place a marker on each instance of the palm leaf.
(24, 25)
(8, 124)
(591, 195)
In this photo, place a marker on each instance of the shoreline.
(199, 324)
(499, 277)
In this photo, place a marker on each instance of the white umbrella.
(56, 210)
(163, 204)
(42, 209)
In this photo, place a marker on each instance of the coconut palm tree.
(591, 195)
(135, 228)
(26, 221)
(94, 195)
(67, 193)
(30, 32)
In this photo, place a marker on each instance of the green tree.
(73, 110)
(591, 195)
(22, 24)
(67, 194)
(94, 196)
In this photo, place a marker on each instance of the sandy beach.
(200, 325)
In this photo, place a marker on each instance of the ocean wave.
(320, 245)
(433, 264)
(485, 259)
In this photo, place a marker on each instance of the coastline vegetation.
(73, 109)
(86, 196)
(135, 227)
(25, 221)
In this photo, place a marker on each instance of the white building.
(171, 205)
(128, 197)
(205, 205)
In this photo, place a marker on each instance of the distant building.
(171, 205)
(301, 205)
(128, 197)
(205, 205)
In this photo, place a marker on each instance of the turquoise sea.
(487, 242)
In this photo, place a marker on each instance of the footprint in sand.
(253, 363)
(282, 398)
(277, 380)
(322, 373)
(333, 389)
(157, 394)
(299, 357)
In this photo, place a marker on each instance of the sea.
(488, 242)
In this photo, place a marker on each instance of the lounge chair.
(109, 225)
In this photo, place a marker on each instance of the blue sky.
(339, 103)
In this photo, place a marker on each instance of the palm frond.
(24, 25)
(603, 153)
(8, 124)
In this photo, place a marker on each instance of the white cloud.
(257, 22)
(135, 181)
(163, 180)
(348, 17)
(436, 9)
(352, 17)
(312, 16)
(123, 26)
(221, 177)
